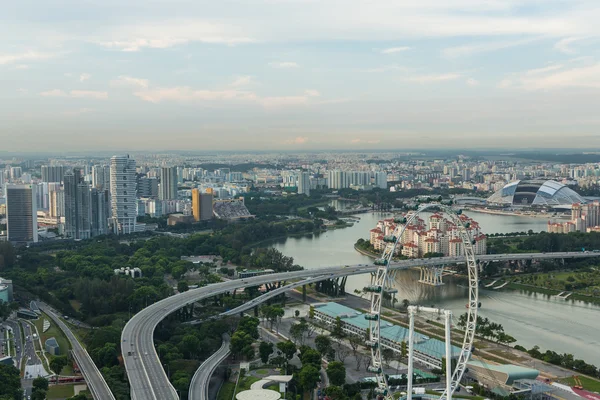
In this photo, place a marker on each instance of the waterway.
(565, 326)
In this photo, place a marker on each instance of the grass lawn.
(55, 332)
(588, 383)
(228, 388)
(60, 392)
(261, 371)
(506, 354)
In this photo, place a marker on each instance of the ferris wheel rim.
(381, 276)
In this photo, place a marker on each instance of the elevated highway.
(148, 379)
(201, 379)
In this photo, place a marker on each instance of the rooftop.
(423, 344)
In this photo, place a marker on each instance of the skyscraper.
(53, 173)
(101, 177)
(147, 187)
(56, 200)
(100, 210)
(304, 183)
(122, 194)
(381, 180)
(202, 205)
(21, 213)
(77, 206)
(168, 183)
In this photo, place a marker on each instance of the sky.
(299, 74)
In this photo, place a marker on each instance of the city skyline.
(299, 75)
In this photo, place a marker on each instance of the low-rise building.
(52, 346)
(427, 351)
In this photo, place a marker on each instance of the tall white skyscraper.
(122, 194)
(168, 183)
(304, 183)
(21, 213)
(338, 180)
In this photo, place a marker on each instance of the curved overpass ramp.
(146, 375)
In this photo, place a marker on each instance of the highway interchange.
(147, 378)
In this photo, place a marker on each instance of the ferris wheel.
(380, 282)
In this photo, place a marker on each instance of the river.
(565, 326)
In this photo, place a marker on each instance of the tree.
(265, 349)
(338, 331)
(310, 356)
(336, 372)
(288, 348)
(311, 312)
(249, 325)
(297, 332)
(240, 340)
(297, 313)
(308, 377)
(182, 286)
(335, 393)
(387, 354)
(58, 363)
(323, 344)
(10, 382)
(40, 383)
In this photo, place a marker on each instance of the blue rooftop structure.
(390, 333)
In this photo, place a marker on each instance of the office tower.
(41, 195)
(381, 180)
(147, 187)
(304, 183)
(100, 211)
(21, 213)
(101, 177)
(77, 206)
(202, 205)
(56, 203)
(15, 173)
(168, 183)
(122, 194)
(53, 173)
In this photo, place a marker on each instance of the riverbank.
(515, 213)
(365, 252)
(552, 292)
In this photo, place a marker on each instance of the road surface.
(201, 379)
(94, 379)
(147, 378)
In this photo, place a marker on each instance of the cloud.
(284, 64)
(128, 81)
(555, 77)
(393, 50)
(76, 94)
(27, 56)
(563, 45)
(75, 113)
(22, 66)
(368, 141)
(84, 77)
(472, 82)
(242, 81)
(169, 33)
(185, 94)
(471, 49)
(387, 68)
(297, 140)
(433, 78)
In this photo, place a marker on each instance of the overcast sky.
(299, 74)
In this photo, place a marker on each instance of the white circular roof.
(258, 394)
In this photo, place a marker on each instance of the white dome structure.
(543, 193)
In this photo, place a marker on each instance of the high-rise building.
(56, 200)
(53, 173)
(78, 211)
(100, 211)
(304, 183)
(168, 183)
(338, 180)
(381, 180)
(15, 173)
(147, 187)
(21, 213)
(122, 194)
(202, 205)
(101, 177)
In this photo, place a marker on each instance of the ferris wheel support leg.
(411, 334)
(448, 315)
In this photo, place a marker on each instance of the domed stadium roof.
(535, 193)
